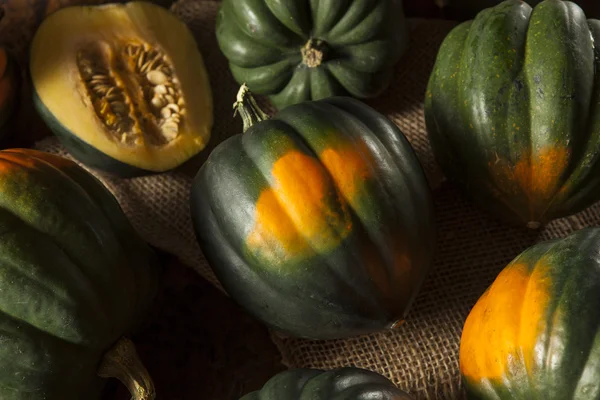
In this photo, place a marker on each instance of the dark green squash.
(319, 221)
(535, 332)
(513, 110)
(347, 383)
(75, 279)
(296, 51)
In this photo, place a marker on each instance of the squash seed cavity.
(134, 91)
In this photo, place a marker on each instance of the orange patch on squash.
(503, 327)
(298, 214)
(349, 167)
(539, 177)
(11, 158)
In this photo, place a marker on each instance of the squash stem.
(248, 108)
(122, 362)
(313, 53)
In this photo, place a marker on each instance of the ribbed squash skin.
(513, 110)
(263, 41)
(74, 277)
(318, 221)
(535, 333)
(340, 384)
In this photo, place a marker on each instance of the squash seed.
(165, 112)
(158, 102)
(160, 89)
(156, 77)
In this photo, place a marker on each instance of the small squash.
(535, 332)
(349, 383)
(75, 279)
(513, 111)
(295, 51)
(318, 221)
(123, 86)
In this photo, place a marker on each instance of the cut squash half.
(123, 86)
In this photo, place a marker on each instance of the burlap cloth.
(422, 355)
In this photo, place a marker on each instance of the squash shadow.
(197, 340)
(199, 16)
(406, 92)
(472, 247)
(403, 101)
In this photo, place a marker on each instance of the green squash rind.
(506, 87)
(336, 297)
(349, 383)
(82, 151)
(262, 40)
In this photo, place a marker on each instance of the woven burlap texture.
(422, 355)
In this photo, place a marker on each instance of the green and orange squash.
(513, 110)
(127, 91)
(294, 51)
(349, 383)
(318, 221)
(76, 280)
(535, 332)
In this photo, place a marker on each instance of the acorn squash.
(349, 383)
(513, 110)
(295, 51)
(318, 221)
(123, 86)
(75, 278)
(535, 332)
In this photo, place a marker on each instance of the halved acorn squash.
(123, 86)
